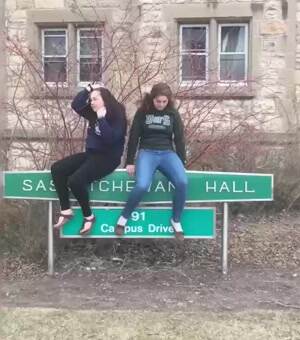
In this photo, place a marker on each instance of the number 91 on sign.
(145, 222)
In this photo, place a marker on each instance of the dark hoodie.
(107, 134)
(157, 130)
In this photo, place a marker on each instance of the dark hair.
(160, 89)
(113, 107)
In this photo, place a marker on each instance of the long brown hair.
(160, 89)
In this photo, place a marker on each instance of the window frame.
(51, 83)
(198, 81)
(233, 82)
(78, 56)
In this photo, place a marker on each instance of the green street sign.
(144, 223)
(203, 186)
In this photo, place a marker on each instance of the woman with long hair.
(157, 131)
(104, 147)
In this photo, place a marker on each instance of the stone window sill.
(217, 91)
(56, 92)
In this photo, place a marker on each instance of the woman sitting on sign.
(156, 127)
(104, 148)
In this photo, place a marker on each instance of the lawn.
(37, 323)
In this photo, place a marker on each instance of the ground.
(164, 291)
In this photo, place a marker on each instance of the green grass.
(39, 324)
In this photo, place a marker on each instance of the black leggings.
(77, 172)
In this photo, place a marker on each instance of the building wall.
(269, 66)
(2, 64)
(297, 51)
(273, 57)
(3, 92)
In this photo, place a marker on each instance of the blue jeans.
(170, 165)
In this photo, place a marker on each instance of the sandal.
(83, 230)
(66, 218)
(119, 230)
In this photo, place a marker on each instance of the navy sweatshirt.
(107, 134)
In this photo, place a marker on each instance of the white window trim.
(85, 83)
(234, 82)
(55, 84)
(193, 82)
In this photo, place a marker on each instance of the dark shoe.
(119, 230)
(179, 235)
(66, 218)
(83, 230)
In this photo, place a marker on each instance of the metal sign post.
(225, 240)
(50, 240)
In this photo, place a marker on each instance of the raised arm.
(111, 131)
(81, 105)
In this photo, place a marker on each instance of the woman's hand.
(94, 86)
(130, 169)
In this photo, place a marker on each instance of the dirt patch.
(160, 276)
(163, 289)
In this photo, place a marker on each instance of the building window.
(89, 55)
(54, 55)
(233, 52)
(197, 57)
(87, 51)
(194, 52)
